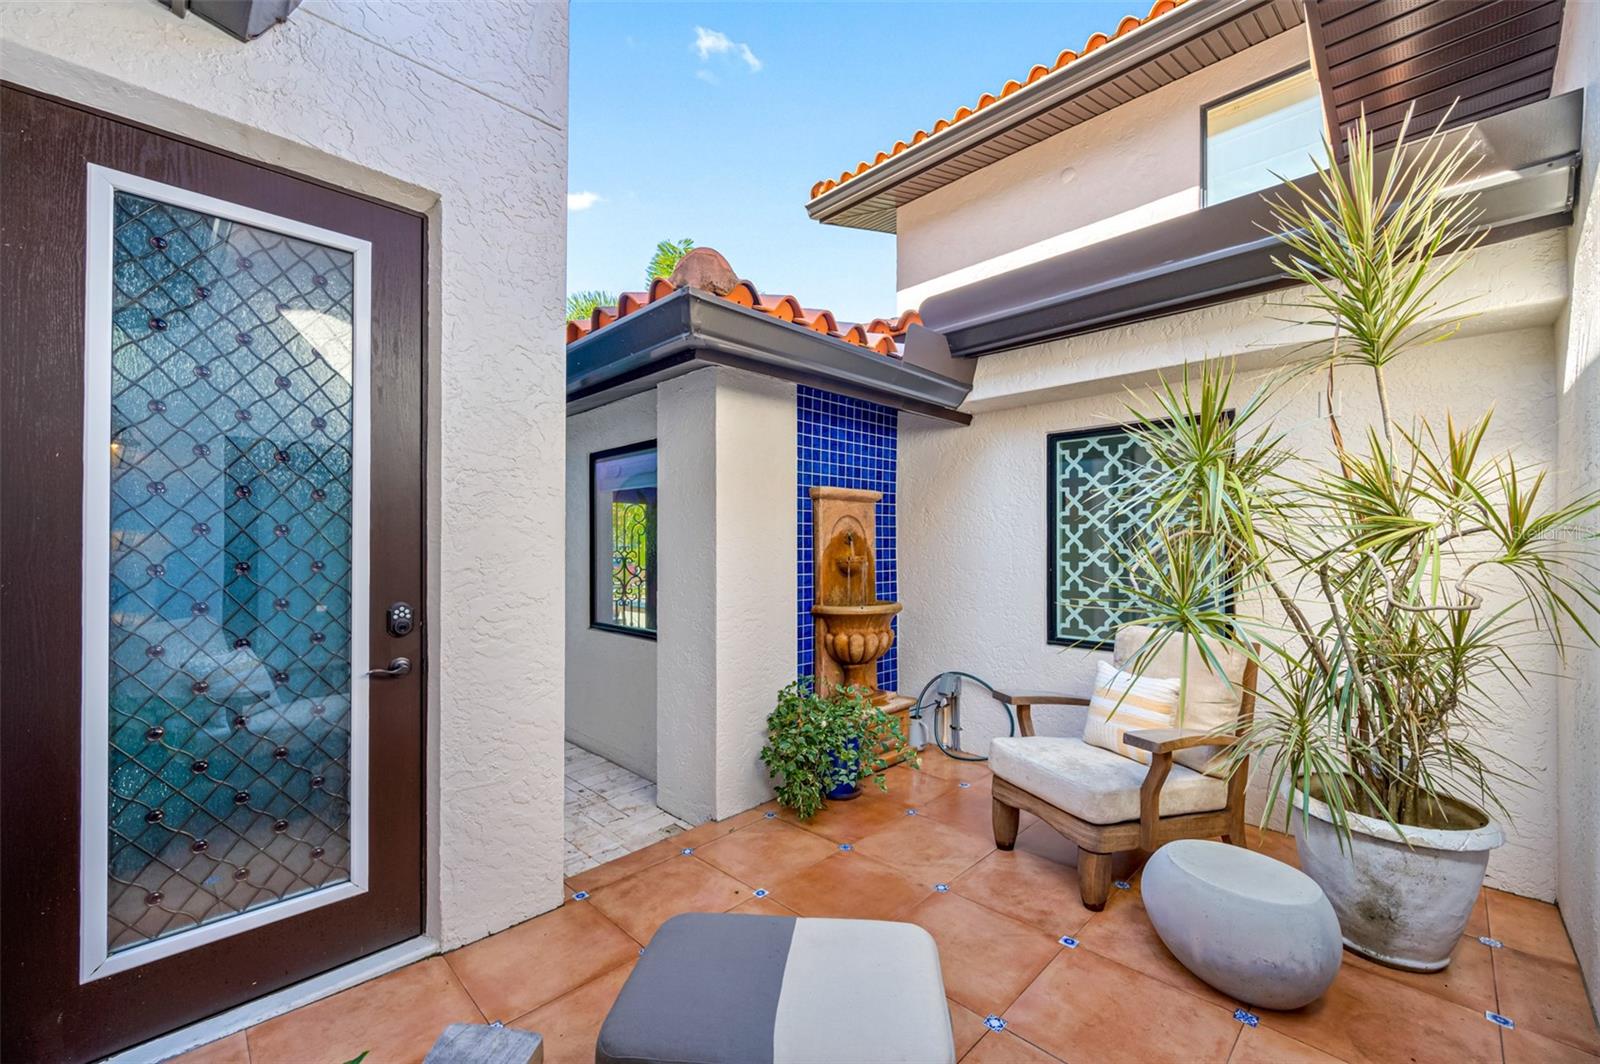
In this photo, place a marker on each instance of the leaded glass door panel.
(213, 489)
(232, 489)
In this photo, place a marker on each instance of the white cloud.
(708, 43)
(707, 76)
(582, 201)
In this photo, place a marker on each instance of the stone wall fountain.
(852, 628)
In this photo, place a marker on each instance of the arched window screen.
(623, 533)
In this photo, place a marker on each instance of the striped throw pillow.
(1122, 703)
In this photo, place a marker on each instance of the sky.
(712, 121)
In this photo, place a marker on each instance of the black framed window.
(1089, 472)
(1267, 133)
(622, 537)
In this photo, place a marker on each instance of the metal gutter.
(1221, 252)
(1111, 60)
(689, 330)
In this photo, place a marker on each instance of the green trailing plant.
(580, 305)
(1393, 586)
(817, 742)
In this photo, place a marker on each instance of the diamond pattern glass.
(1089, 524)
(231, 569)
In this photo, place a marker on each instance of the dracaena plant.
(1392, 586)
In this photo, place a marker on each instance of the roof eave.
(1193, 19)
(1220, 253)
(690, 330)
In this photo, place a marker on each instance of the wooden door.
(211, 425)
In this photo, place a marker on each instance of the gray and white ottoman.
(727, 989)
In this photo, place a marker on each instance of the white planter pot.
(1401, 900)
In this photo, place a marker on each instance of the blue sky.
(712, 121)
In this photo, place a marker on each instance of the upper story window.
(622, 532)
(1263, 135)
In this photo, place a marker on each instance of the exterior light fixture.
(244, 19)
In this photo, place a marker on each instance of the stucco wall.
(1131, 167)
(1578, 337)
(460, 111)
(611, 678)
(973, 581)
(726, 616)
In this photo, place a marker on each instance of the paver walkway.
(610, 812)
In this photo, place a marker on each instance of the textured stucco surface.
(457, 110)
(726, 617)
(1578, 340)
(611, 678)
(1119, 171)
(686, 615)
(755, 576)
(973, 581)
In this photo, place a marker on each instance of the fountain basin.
(856, 637)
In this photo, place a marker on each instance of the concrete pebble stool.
(1256, 929)
(716, 988)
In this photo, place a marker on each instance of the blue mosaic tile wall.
(848, 443)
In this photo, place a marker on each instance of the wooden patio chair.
(1106, 803)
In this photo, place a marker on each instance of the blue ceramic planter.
(845, 792)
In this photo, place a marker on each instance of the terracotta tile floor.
(1115, 995)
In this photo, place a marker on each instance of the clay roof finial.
(705, 269)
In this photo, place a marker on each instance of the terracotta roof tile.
(882, 335)
(1097, 40)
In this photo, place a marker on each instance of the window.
(622, 523)
(1087, 529)
(1263, 135)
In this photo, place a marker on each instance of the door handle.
(397, 668)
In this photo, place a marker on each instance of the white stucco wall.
(1578, 339)
(457, 110)
(611, 678)
(974, 583)
(1131, 167)
(726, 615)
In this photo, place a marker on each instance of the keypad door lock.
(400, 619)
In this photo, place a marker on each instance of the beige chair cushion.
(1122, 703)
(1096, 785)
(1209, 701)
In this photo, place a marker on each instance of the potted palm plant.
(1394, 583)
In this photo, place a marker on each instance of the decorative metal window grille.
(623, 485)
(1090, 526)
(633, 559)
